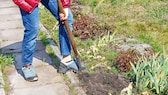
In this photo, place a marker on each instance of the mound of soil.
(103, 83)
(88, 25)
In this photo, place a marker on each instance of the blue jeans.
(31, 25)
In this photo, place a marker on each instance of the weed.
(6, 60)
(151, 39)
(159, 12)
(43, 37)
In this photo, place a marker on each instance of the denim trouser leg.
(65, 46)
(31, 25)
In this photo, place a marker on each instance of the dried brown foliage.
(125, 57)
(88, 26)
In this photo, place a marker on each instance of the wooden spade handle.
(61, 9)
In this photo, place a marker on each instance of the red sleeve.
(65, 3)
(27, 5)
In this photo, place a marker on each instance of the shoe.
(29, 73)
(62, 68)
(72, 65)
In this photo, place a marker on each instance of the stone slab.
(50, 82)
(9, 34)
(9, 10)
(6, 3)
(41, 58)
(46, 75)
(10, 46)
(15, 46)
(50, 89)
(6, 17)
(13, 24)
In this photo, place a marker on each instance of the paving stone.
(9, 34)
(50, 89)
(15, 46)
(46, 75)
(41, 58)
(5, 17)
(9, 10)
(50, 82)
(13, 24)
(6, 3)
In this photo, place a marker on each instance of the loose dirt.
(103, 83)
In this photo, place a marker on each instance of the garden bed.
(106, 63)
(103, 83)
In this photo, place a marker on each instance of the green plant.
(93, 3)
(151, 39)
(48, 20)
(152, 73)
(83, 1)
(43, 37)
(5, 60)
(115, 1)
(106, 39)
(159, 12)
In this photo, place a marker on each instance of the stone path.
(50, 82)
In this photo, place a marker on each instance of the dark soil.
(103, 83)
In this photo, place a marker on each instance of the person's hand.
(64, 16)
